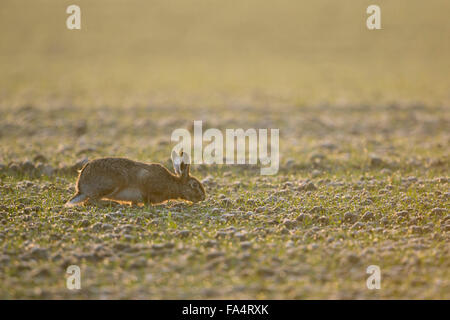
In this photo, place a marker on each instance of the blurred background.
(212, 52)
(137, 70)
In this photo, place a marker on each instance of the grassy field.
(364, 120)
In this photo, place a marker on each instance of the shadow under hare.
(125, 180)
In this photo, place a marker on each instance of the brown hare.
(125, 180)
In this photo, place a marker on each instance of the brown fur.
(122, 179)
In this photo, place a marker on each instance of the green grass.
(321, 256)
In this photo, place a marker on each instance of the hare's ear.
(176, 161)
(185, 164)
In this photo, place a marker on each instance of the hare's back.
(112, 164)
(108, 170)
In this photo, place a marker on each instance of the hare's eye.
(194, 184)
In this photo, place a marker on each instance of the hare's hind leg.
(95, 193)
(97, 182)
(101, 198)
(100, 186)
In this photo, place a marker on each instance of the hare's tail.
(76, 199)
